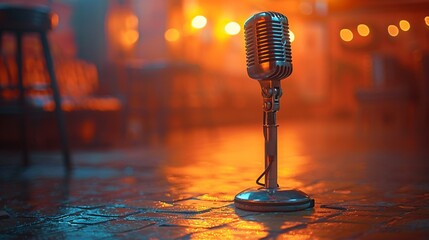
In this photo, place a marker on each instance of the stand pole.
(270, 136)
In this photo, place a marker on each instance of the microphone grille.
(268, 49)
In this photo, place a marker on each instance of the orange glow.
(216, 167)
(172, 35)
(265, 66)
(131, 22)
(55, 20)
(291, 36)
(346, 35)
(228, 233)
(393, 30)
(250, 225)
(427, 20)
(220, 29)
(93, 104)
(130, 180)
(363, 30)
(87, 130)
(122, 29)
(129, 37)
(199, 22)
(232, 28)
(404, 25)
(306, 7)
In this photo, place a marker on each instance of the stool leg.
(22, 102)
(57, 99)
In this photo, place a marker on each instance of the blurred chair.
(20, 20)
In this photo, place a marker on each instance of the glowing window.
(199, 21)
(363, 30)
(404, 25)
(346, 35)
(232, 28)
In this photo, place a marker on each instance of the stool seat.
(22, 18)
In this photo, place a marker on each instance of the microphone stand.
(271, 197)
(271, 93)
(270, 136)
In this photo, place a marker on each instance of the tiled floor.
(366, 186)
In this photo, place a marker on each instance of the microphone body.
(269, 60)
(268, 49)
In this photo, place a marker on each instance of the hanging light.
(346, 34)
(199, 22)
(363, 30)
(232, 28)
(393, 30)
(404, 25)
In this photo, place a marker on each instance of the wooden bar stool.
(21, 20)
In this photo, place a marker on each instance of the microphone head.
(268, 50)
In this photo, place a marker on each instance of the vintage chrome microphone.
(269, 60)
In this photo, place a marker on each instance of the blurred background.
(132, 71)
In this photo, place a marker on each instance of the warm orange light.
(130, 37)
(306, 7)
(404, 25)
(232, 28)
(393, 30)
(122, 29)
(363, 30)
(291, 36)
(172, 35)
(131, 22)
(346, 35)
(55, 20)
(199, 21)
(427, 20)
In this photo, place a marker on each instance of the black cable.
(263, 174)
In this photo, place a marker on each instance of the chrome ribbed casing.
(268, 49)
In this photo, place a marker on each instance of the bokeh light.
(55, 20)
(404, 25)
(199, 21)
(232, 28)
(427, 20)
(363, 30)
(346, 35)
(172, 35)
(130, 37)
(291, 36)
(393, 30)
(131, 21)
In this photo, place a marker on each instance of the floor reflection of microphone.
(269, 60)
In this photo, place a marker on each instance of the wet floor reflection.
(184, 187)
(229, 159)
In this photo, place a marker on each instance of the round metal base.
(272, 200)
